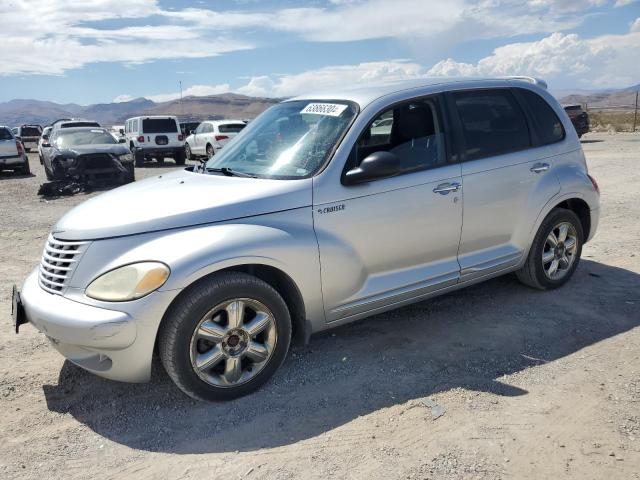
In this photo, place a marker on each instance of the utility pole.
(635, 113)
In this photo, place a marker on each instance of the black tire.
(48, 173)
(131, 173)
(180, 157)
(139, 157)
(188, 153)
(26, 169)
(532, 273)
(184, 316)
(210, 151)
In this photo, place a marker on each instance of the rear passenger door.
(506, 179)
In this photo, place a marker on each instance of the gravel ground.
(495, 381)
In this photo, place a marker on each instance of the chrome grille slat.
(59, 260)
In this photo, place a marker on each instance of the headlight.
(127, 157)
(129, 282)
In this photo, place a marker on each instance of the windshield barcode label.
(331, 109)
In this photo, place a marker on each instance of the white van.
(155, 137)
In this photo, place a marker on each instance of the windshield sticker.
(330, 109)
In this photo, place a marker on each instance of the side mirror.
(45, 137)
(121, 131)
(122, 140)
(377, 165)
(192, 132)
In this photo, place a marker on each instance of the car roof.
(80, 129)
(223, 122)
(364, 95)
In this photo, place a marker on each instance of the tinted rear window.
(231, 127)
(548, 124)
(159, 125)
(30, 131)
(5, 134)
(492, 121)
(79, 124)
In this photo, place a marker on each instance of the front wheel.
(180, 157)
(555, 251)
(225, 336)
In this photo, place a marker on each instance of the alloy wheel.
(559, 251)
(233, 342)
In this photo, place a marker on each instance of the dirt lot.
(497, 381)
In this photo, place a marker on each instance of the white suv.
(211, 136)
(155, 137)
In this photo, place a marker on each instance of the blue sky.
(103, 50)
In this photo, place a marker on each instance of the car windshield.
(289, 140)
(84, 137)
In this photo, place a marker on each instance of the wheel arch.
(278, 279)
(581, 209)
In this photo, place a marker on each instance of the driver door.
(392, 240)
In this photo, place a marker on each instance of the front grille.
(59, 260)
(95, 161)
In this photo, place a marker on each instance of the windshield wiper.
(229, 172)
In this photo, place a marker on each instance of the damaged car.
(88, 157)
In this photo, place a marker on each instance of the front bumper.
(111, 343)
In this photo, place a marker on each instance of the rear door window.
(231, 127)
(159, 125)
(548, 125)
(492, 122)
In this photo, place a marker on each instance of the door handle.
(540, 167)
(445, 188)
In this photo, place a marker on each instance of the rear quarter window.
(548, 125)
(492, 122)
(159, 125)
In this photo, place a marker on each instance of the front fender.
(283, 240)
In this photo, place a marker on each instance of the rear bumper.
(160, 150)
(17, 160)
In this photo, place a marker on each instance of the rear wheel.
(225, 337)
(210, 151)
(180, 157)
(555, 252)
(26, 169)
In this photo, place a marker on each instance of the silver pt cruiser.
(326, 209)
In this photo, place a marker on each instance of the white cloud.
(604, 61)
(122, 98)
(47, 37)
(195, 90)
(332, 76)
(635, 26)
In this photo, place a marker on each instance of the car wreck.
(82, 159)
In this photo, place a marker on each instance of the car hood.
(116, 149)
(179, 199)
